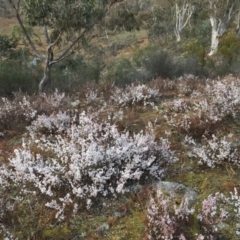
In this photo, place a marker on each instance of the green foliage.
(162, 64)
(7, 44)
(72, 73)
(15, 77)
(229, 47)
(64, 15)
(140, 54)
(122, 72)
(17, 34)
(124, 18)
(202, 32)
(194, 48)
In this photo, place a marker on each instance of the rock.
(102, 229)
(222, 226)
(179, 190)
(75, 103)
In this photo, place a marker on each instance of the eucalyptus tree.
(67, 25)
(172, 14)
(183, 12)
(221, 14)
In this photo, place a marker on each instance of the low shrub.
(7, 44)
(122, 72)
(166, 220)
(15, 77)
(162, 64)
(74, 168)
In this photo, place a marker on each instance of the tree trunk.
(178, 35)
(214, 36)
(45, 82)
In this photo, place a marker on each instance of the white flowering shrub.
(22, 110)
(218, 100)
(165, 220)
(133, 94)
(234, 200)
(56, 122)
(217, 209)
(16, 112)
(91, 96)
(22, 107)
(88, 160)
(55, 99)
(214, 152)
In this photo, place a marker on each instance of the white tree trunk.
(214, 36)
(183, 14)
(221, 14)
(178, 35)
(46, 80)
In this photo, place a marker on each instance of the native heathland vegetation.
(119, 119)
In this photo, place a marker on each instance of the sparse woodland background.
(137, 134)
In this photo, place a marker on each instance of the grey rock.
(180, 190)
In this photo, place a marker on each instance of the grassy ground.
(125, 217)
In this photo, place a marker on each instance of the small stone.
(75, 103)
(103, 228)
(238, 226)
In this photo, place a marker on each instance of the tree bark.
(220, 17)
(214, 37)
(45, 82)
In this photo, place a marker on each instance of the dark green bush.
(16, 77)
(162, 64)
(122, 72)
(229, 47)
(7, 44)
(74, 72)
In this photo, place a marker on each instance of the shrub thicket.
(7, 44)
(15, 77)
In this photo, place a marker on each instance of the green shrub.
(162, 64)
(7, 44)
(140, 54)
(74, 72)
(122, 72)
(15, 77)
(229, 47)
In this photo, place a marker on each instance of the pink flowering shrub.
(165, 220)
(212, 213)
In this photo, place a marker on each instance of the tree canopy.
(67, 24)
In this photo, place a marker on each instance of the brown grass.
(6, 25)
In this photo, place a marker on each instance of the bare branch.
(70, 47)
(56, 41)
(35, 51)
(65, 54)
(114, 2)
(46, 35)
